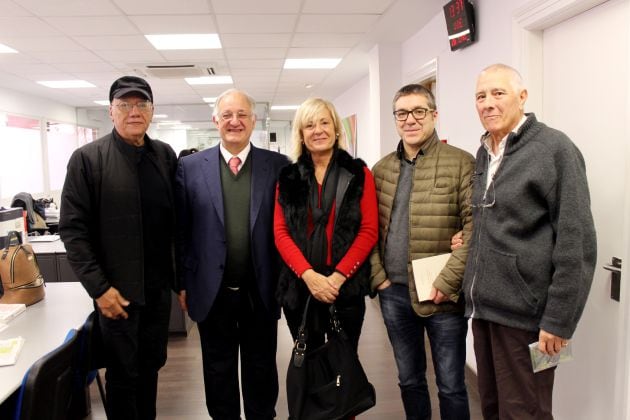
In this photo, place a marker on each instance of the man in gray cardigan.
(533, 249)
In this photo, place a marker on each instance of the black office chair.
(47, 388)
(90, 360)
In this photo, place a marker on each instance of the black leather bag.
(328, 382)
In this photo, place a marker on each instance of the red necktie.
(233, 164)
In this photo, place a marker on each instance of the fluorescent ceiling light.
(185, 41)
(284, 107)
(104, 102)
(170, 122)
(311, 63)
(159, 116)
(209, 80)
(6, 50)
(210, 100)
(66, 84)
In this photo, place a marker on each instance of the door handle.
(615, 281)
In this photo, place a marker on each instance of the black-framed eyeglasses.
(126, 107)
(417, 113)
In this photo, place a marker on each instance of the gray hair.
(217, 103)
(515, 77)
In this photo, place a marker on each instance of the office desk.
(44, 326)
(54, 265)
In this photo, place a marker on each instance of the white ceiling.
(101, 40)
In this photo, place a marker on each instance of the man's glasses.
(488, 199)
(228, 116)
(417, 113)
(126, 107)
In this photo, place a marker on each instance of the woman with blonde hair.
(325, 226)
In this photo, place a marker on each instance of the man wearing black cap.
(117, 224)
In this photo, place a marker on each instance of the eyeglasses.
(488, 199)
(417, 113)
(228, 116)
(126, 107)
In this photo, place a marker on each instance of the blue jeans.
(447, 337)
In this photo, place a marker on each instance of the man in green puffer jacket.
(423, 191)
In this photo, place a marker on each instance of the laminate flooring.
(181, 395)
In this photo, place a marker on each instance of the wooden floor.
(181, 395)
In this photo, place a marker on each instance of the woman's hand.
(319, 286)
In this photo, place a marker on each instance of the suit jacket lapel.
(260, 178)
(212, 175)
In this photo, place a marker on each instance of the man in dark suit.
(227, 261)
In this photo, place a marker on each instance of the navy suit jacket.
(201, 240)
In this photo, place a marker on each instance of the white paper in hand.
(425, 271)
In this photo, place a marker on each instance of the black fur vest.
(294, 186)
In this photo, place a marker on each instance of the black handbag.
(328, 382)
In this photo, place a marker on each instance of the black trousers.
(135, 350)
(350, 314)
(237, 322)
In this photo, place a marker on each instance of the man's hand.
(319, 286)
(550, 344)
(112, 304)
(384, 285)
(181, 297)
(457, 241)
(437, 296)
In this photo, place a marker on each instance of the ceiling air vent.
(178, 71)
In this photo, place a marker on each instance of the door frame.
(529, 22)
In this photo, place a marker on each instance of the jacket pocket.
(502, 286)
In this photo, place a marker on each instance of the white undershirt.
(495, 160)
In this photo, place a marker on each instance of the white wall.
(33, 106)
(356, 100)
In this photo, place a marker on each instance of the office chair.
(90, 360)
(47, 387)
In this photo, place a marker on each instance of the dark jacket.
(533, 252)
(293, 191)
(201, 240)
(101, 215)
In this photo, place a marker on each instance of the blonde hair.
(305, 114)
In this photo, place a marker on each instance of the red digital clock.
(460, 23)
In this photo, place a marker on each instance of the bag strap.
(11, 236)
(299, 349)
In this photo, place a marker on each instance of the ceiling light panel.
(66, 84)
(185, 41)
(5, 49)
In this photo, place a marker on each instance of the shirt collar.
(486, 139)
(242, 155)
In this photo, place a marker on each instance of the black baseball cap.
(130, 84)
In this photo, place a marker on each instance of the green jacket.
(439, 208)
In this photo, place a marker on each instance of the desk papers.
(8, 311)
(43, 238)
(425, 271)
(10, 350)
